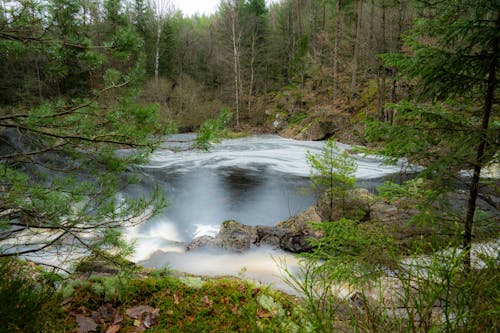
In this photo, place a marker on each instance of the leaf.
(176, 299)
(144, 315)
(263, 313)
(113, 329)
(118, 318)
(137, 311)
(104, 313)
(85, 324)
(150, 320)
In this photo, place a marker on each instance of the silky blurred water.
(257, 180)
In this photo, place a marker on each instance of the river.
(257, 180)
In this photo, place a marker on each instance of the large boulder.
(290, 235)
(234, 235)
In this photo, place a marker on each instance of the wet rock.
(270, 236)
(200, 242)
(296, 243)
(234, 235)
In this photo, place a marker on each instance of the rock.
(202, 241)
(301, 221)
(101, 266)
(290, 235)
(236, 236)
(356, 205)
(269, 236)
(296, 243)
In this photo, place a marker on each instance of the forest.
(90, 90)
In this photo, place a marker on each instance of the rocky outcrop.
(235, 236)
(291, 235)
(322, 122)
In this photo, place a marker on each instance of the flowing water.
(256, 180)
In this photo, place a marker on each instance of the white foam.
(206, 230)
(148, 239)
(264, 265)
(281, 155)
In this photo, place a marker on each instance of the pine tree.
(453, 124)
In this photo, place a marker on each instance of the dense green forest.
(89, 88)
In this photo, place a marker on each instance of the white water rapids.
(256, 180)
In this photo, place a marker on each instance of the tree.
(333, 172)
(357, 43)
(161, 10)
(60, 170)
(454, 123)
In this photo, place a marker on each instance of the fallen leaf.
(118, 318)
(138, 311)
(113, 329)
(176, 299)
(150, 320)
(263, 314)
(170, 312)
(85, 324)
(104, 313)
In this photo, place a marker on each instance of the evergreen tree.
(453, 124)
(59, 165)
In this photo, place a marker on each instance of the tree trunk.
(157, 49)
(252, 62)
(381, 71)
(371, 53)
(299, 19)
(356, 50)
(236, 67)
(336, 51)
(474, 186)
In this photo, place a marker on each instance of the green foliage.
(414, 294)
(351, 251)
(211, 129)
(190, 304)
(333, 172)
(27, 305)
(451, 126)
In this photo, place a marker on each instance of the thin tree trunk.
(252, 61)
(370, 35)
(299, 19)
(157, 50)
(39, 79)
(356, 50)
(336, 51)
(474, 186)
(381, 72)
(236, 68)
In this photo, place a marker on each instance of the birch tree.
(161, 10)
